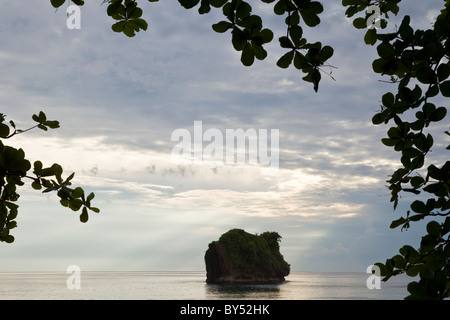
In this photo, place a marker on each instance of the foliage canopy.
(14, 167)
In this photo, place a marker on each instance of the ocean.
(192, 286)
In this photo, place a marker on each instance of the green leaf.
(75, 204)
(352, 10)
(4, 130)
(128, 29)
(57, 169)
(42, 116)
(314, 7)
(293, 19)
(388, 100)
(438, 114)
(425, 75)
(64, 202)
(296, 33)
(188, 4)
(266, 35)
(360, 23)
(311, 19)
(313, 76)
(326, 53)
(405, 30)
(135, 13)
(217, 3)
(248, 55)
(385, 50)
(423, 143)
(417, 217)
(399, 261)
(118, 26)
(243, 10)
(222, 26)
(439, 189)
(115, 8)
(259, 52)
(445, 88)
(443, 71)
(433, 90)
(427, 243)
(447, 250)
(67, 182)
(434, 172)
(419, 207)
(11, 225)
(285, 42)
(37, 167)
(52, 124)
(406, 94)
(434, 228)
(299, 60)
(417, 182)
(90, 197)
(238, 39)
(434, 261)
(380, 117)
(371, 37)
(351, 2)
(36, 185)
(84, 217)
(414, 270)
(9, 239)
(57, 3)
(204, 7)
(251, 22)
(446, 229)
(397, 223)
(96, 210)
(280, 7)
(78, 192)
(411, 255)
(389, 142)
(140, 23)
(394, 132)
(286, 59)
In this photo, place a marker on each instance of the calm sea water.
(192, 286)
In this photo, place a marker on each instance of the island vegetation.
(241, 257)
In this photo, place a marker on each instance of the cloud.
(123, 174)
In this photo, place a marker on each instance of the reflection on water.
(312, 285)
(243, 291)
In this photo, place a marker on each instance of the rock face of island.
(241, 257)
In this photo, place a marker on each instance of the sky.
(118, 101)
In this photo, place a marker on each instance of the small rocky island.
(241, 257)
